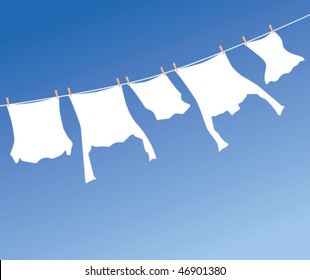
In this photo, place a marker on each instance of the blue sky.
(251, 201)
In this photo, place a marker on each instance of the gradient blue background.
(251, 201)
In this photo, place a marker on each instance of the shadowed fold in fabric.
(219, 88)
(38, 131)
(161, 97)
(277, 59)
(105, 120)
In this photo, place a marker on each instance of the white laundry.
(217, 88)
(38, 131)
(277, 59)
(161, 97)
(105, 120)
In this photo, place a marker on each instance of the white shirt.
(38, 131)
(105, 120)
(219, 88)
(277, 59)
(161, 97)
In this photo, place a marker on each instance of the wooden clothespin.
(69, 91)
(175, 67)
(56, 93)
(271, 29)
(163, 71)
(221, 48)
(127, 79)
(8, 102)
(118, 82)
(244, 40)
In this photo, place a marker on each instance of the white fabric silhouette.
(105, 120)
(161, 97)
(217, 88)
(38, 131)
(277, 59)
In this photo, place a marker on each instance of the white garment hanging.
(217, 88)
(161, 97)
(105, 120)
(38, 131)
(277, 59)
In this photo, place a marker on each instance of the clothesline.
(214, 83)
(169, 71)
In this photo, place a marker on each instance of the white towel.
(278, 60)
(217, 88)
(105, 120)
(161, 97)
(38, 131)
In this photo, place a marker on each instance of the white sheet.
(105, 120)
(217, 88)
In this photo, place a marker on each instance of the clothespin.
(8, 102)
(244, 40)
(162, 70)
(56, 93)
(127, 79)
(271, 29)
(221, 48)
(118, 82)
(175, 67)
(69, 91)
